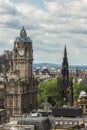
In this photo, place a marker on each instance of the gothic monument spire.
(66, 90)
(65, 71)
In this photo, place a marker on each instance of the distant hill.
(35, 65)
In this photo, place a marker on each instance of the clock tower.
(20, 86)
(23, 56)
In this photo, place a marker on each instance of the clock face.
(21, 52)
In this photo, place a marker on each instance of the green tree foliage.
(49, 89)
(78, 88)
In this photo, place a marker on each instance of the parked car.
(34, 113)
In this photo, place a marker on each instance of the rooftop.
(23, 36)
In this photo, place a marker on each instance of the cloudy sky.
(51, 24)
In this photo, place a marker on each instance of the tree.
(49, 90)
(78, 88)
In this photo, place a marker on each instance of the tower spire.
(66, 89)
(65, 52)
(65, 71)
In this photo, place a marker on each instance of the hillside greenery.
(50, 90)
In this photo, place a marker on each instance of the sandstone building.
(20, 85)
(82, 101)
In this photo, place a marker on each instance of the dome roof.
(83, 93)
(23, 36)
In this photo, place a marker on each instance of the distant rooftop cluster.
(45, 72)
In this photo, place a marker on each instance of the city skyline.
(51, 24)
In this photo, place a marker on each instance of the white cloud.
(60, 22)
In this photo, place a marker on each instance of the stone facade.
(2, 116)
(82, 101)
(18, 127)
(2, 96)
(23, 56)
(21, 87)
